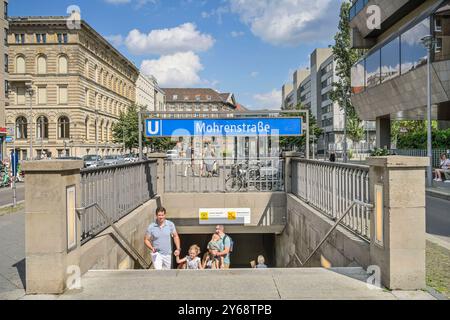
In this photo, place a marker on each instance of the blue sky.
(248, 47)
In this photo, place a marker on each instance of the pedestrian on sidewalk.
(158, 239)
(443, 168)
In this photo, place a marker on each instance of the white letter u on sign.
(153, 127)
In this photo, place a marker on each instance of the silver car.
(93, 161)
(113, 160)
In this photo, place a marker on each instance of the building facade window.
(6, 62)
(41, 65)
(20, 38)
(20, 96)
(42, 128)
(62, 38)
(21, 128)
(41, 38)
(62, 65)
(413, 53)
(42, 95)
(63, 128)
(20, 65)
(62, 94)
(390, 60)
(5, 13)
(373, 69)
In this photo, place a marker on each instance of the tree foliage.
(126, 131)
(345, 58)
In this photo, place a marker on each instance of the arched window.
(62, 65)
(42, 128)
(63, 128)
(21, 128)
(20, 64)
(41, 65)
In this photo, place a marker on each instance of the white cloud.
(118, 1)
(116, 40)
(289, 22)
(236, 34)
(254, 74)
(177, 70)
(269, 100)
(183, 38)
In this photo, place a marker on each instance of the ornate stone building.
(78, 84)
(3, 74)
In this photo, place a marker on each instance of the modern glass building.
(390, 81)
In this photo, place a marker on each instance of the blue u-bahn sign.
(223, 127)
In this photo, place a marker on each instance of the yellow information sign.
(231, 215)
(204, 216)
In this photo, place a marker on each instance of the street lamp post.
(31, 93)
(429, 42)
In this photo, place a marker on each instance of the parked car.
(130, 157)
(113, 160)
(93, 161)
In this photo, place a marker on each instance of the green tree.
(345, 58)
(127, 131)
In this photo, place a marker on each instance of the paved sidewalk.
(237, 284)
(12, 256)
(439, 190)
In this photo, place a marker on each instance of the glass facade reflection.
(399, 56)
(390, 60)
(442, 33)
(413, 51)
(373, 75)
(358, 77)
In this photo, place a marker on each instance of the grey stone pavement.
(236, 284)
(6, 194)
(12, 256)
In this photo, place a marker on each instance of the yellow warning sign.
(231, 215)
(204, 216)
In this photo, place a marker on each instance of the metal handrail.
(354, 203)
(137, 256)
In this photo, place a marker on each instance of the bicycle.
(241, 177)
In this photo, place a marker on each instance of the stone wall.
(267, 209)
(306, 227)
(105, 251)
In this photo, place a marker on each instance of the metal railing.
(331, 188)
(132, 251)
(224, 175)
(118, 190)
(423, 153)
